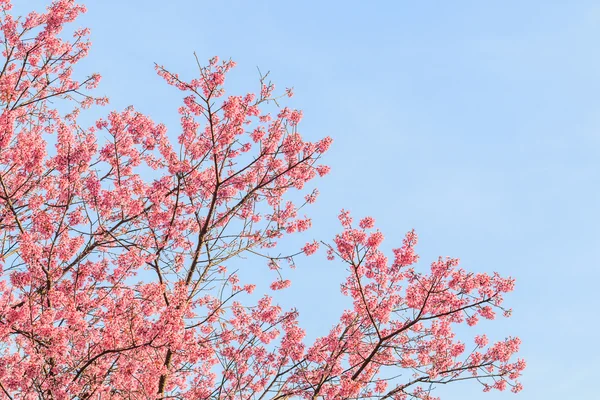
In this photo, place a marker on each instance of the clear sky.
(475, 122)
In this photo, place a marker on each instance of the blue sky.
(476, 123)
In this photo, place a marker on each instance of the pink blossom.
(281, 284)
(310, 248)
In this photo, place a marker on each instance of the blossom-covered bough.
(116, 241)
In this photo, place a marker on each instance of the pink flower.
(367, 223)
(280, 284)
(481, 340)
(375, 239)
(310, 248)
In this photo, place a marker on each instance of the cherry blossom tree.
(116, 241)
